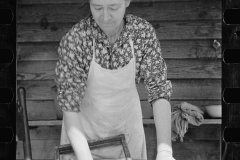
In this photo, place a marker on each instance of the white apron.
(111, 106)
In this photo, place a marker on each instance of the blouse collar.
(127, 32)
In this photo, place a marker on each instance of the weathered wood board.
(200, 142)
(173, 30)
(149, 10)
(41, 110)
(77, 1)
(177, 69)
(188, 150)
(178, 49)
(202, 132)
(206, 89)
(45, 110)
(199, 150)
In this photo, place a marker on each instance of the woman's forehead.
(108, 2)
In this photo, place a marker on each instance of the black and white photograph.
(119, 79)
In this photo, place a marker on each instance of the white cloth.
(111, 106)
(183, 114)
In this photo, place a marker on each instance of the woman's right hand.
(77, 138)
(164, 155)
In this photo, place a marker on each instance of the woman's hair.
(85, 3)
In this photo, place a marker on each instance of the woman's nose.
(106, 15)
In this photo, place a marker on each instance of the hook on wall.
(216, 44)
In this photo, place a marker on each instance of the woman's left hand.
(164, 155)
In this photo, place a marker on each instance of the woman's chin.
(109, 30)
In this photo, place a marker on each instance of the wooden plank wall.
(200, 143)
(186, 30)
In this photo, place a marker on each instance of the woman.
(100, 61)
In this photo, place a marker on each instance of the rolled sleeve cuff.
(69, 101)
(163, 90)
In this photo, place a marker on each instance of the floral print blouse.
(75, 55)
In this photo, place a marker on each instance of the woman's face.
(108, 13)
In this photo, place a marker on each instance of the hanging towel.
(182, 114)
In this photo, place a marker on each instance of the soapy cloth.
(182, 114)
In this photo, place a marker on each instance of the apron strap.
(133, 56)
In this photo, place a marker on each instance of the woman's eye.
(98, 8)
(114, 8)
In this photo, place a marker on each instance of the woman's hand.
(164, 155)
(77, 138)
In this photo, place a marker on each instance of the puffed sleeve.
(153, 67)
(70, 74)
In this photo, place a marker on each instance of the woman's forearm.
(76, 137)
(162, 118)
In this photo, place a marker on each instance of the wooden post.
(26, 142)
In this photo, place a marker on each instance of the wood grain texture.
(178, 49)
(204, 137)
(77, 1)
(41, 110)
(40, 149)
(208, 135)
(187, 49)
(45, 110)
(183, 89)
(190, 90)
(202, 132)
(188, 30)
(187, 150)
(145, 121)
(195, 150)
(147, 110)
(164, 30)
(151, 11)
(177, 69)
(37, 51)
